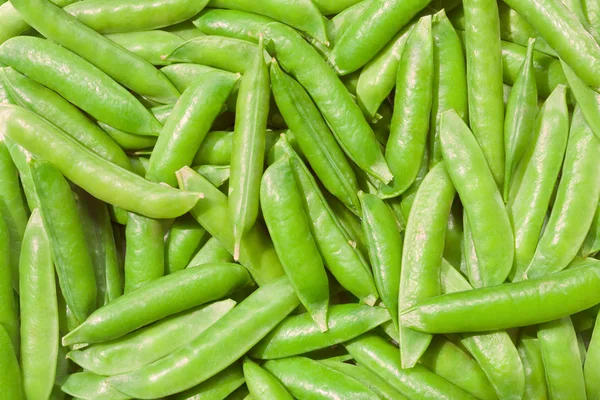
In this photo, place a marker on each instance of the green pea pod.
(20, 156)
(491, 308)
(262, 384)
(183, 242)
(454, 238)
(158, 299)
(5, 96)
(572, 213)
(39, 311)
(86, 385)
(290, 231)
(340, 22)
(591, 244)
(184, 74)
(219, 386)
(349, 221)
(216, 147)
(592, 12)
(297, 335)
(218, 175)
(314, 138)
(128, 141)
(564, 374)
(535, 179)
(469, 261)
(10, 374)
(145, 251)
(489, 223)
(412, 107)
(592, 363)
(330, 7)
(449, 80)
(212, 251)
(151, 46)
(238, 331)
(9, 317)
(535, 379)
(588, 100)
(127, 69)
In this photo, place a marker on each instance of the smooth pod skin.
(422, 254)
(592, 363)
(38, 310)
(70, 250)
(182, 243)
(91, 386)
(257, 253)
(220, 386)
(561, 29)
(9, 316)
(144, 251)
(330, 7)
(262, 384)
(575, 204)
(492, 308)
(350, 221)
(412, 107)
(588, 99)
(312, 380)
(384, 244)
(340, 22)
(248, 148)
(218, 175)
(127, 69)
(237, 331)
(106, 16)
(128, 141)
(314, 138)
(592, 14)
(184, 74)
(148, 45)
(20, 156)
(97, 176)
(144, 346)
(474, 182)
(216, 147)
(158, 299)
(591, 244)
(289, 229)
(297, 334)
(187, 125)
(536, 177)
(562, 363)
(10, 374)
(79, 82)
(533, 366)
(212, 251)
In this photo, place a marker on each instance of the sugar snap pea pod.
(257, 253)
(349, 221)
(212, 251)
(412, 106)
(536, 178)
(39, 311)
(145, 251)
(238, 331)
(185, 30)
(340, 22)
(65, 231)
(216, 174)
(9, 317)
(572, 213)
(470, 261)
(297, 334)
(216, 147)
(87, 385)
(592, 13)
(592, 363)
(531, 356)
(184, 74)
(162, 297)
(330, 7)
(564, 374)
(454, 236)
(289, 229)
(10, 374)
(150, 343)
(183, 242)
(519, 122)
(128, 141)
(5, 96)
(148, 45)
(124, 67)
(20, 156)
(219, 386)
(468, 169)
(588, 100)
(262, 384)
(591, 244)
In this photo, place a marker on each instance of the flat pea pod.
(86, 385)
(533, 366)
(312, 380)
(9, 317)
(70, 250)
(39, 311)
(564, 374)
(144, 252)
(262, 384)
(588, 99)
(572, 213)
(591, 244)
(10, 373)
(182, 243)
(238, 331)
(330, 7)
(79, 82)
(146, 345)
(127, 69)
(257, 253)
(422, 254)
(297, 334)
(100, 178)
(184, 74)
(106, 16)
(212, 251)
(536, 177)
(216, 147)
(151, 46)
(489, 222)
(491, 308)
(314, 138)
(218, 387)
(412, 107)
(289, 229)
(162, 297)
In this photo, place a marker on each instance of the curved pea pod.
(412, 107)
(298, 334)
(592, 363)
(592, 13)
(212, 251)
(573, 210)
(151, 46)
(588, 99)
(314, 138)
(262, 384)
(238, 331)
(330, 7)
(591, 244)
(257, 253)
(340, 22)
(454, 237)
(144, 251)
(10, 374)
(9, 317)
(218, 175)
(128, 141)
(290, 231)
(160, 298)
(564, 374)
(150, 343)
(20, 156)
(216, 147)
(187, 125)
(535, 178)
(183, 242)
(350, 221)
(39, 311)
(220, 386)
(533, 366)
(86, 385)
(182, 75)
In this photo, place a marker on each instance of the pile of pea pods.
(299, 199)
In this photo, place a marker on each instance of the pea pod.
(454, 237)
(184, 74)
(10, 374)
(237, 331)
(39, 311)
(216, 147)
(592, 13)
(262, 384)
(588, 100)
(9, 317)
(183, 242)
(212, 251)
(86, 385)
(330, 7)
(150, 46)
(128, 141)
(20, 156)
(185, 289)
(223, 384)
(340, 22)
(349, 221)
(591, 244)
(535, 378)
(144, 254)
